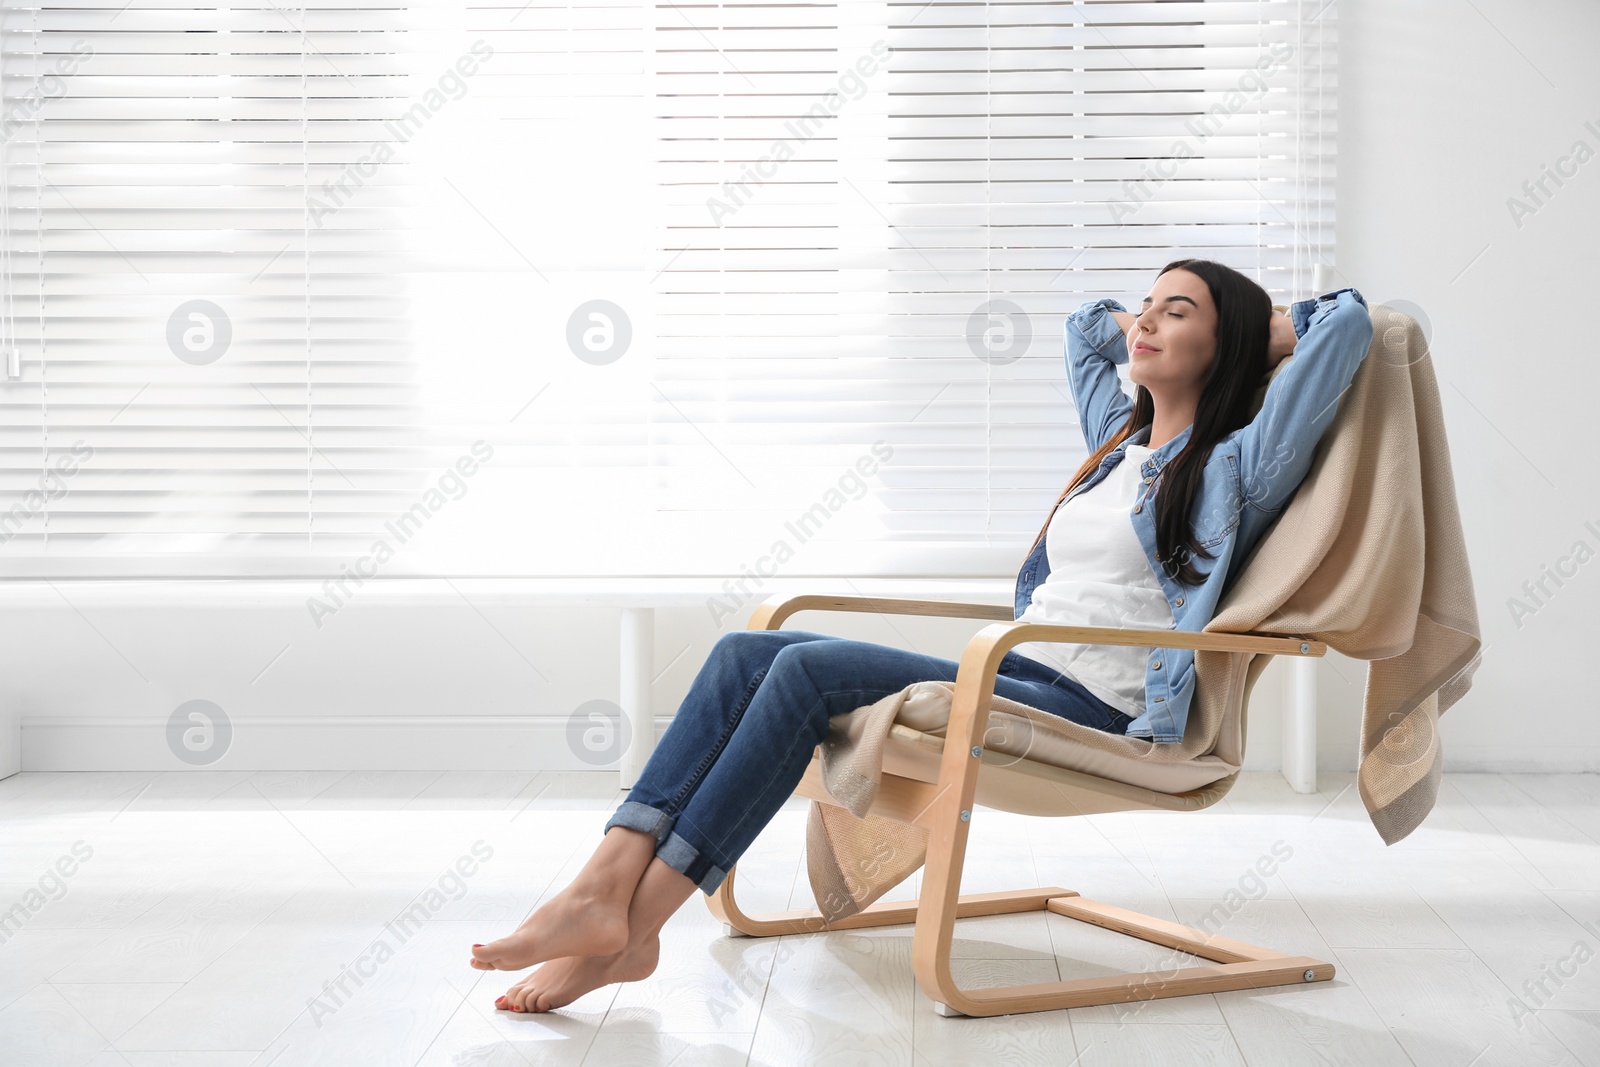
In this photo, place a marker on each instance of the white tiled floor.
(224, 919)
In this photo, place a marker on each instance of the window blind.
(736, 289)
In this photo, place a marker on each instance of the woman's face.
(1174, 335)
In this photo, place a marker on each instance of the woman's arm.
(1095, 348)
(1332, 335)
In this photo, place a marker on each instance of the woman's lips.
(1140, 346)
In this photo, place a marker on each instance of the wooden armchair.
(942, 803)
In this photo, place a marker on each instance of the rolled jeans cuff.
(671, 849)
(643, 818)
(691, 863)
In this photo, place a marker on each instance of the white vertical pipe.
(1321, 278)
(638, 659)
(1300, 726)
(1300, 722)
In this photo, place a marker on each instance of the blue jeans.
(760, 705)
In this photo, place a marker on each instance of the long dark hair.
(1244, 310)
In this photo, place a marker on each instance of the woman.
(744, 734)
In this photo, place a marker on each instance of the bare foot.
(560, 982)
(572, 923)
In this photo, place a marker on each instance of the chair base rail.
(1235, 964)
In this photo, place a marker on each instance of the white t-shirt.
(1100, 576)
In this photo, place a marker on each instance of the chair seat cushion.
(1028, 735)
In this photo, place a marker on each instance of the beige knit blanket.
(1368, 557)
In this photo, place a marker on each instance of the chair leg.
(949, 819)
(1238, 965)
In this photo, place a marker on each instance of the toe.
(517, 996)
(493, 954)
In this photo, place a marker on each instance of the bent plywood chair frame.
(944, 808)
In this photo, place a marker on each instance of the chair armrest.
(1004, 636)
(770, 615)
(772, 612)
(980, 661)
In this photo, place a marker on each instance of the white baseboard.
(351, 742)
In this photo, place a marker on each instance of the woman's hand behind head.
(1282, 339)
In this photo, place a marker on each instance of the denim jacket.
(1249, 477)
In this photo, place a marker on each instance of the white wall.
(1444, 114)
(407, 674)
(1442, 120)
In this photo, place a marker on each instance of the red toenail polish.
(477, 946)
